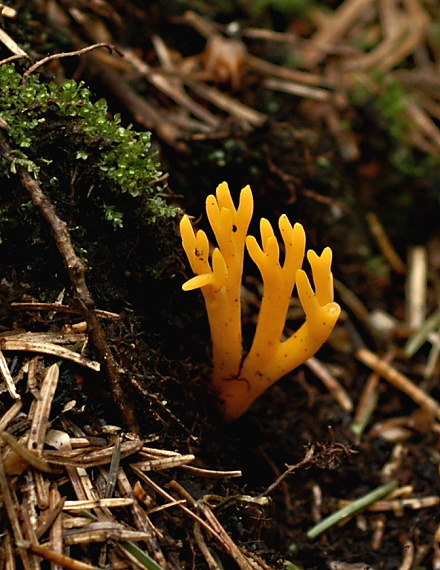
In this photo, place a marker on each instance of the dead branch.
(77, 275)
(45, 60)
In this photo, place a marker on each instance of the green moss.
(101, 176)
(391, 103)
(119, 156)
(388, 111)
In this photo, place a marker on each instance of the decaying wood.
(44, 532)
(41, 410)
(416, 286)
(335, 26)
(59, 308)
(7, 378)
(91, 457)
(12, 45)
(384, 243)
(401, 31)
(214, 527)
(333, 386)
(11, 506)
(12, 344)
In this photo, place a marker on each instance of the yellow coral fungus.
(237, 380)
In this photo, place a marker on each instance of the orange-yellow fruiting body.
(239, 381)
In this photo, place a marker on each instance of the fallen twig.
(86, 49)
(398, 380)
(77, 271)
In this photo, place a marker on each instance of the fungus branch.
(220, 281)
(239, 382)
